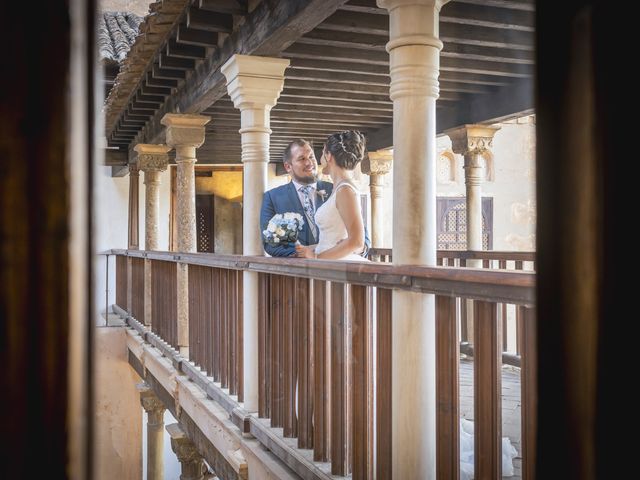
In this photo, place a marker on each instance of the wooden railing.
(324, 336)
(497, 260)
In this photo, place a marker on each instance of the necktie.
(307, 205)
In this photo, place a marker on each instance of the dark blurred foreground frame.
(46, 141)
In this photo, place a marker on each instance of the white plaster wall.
(513, 187)
(110, 226)
(118, 414)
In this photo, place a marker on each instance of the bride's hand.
(305, 252)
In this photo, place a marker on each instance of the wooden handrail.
(469, 254)
(482, 284)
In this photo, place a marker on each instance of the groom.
(303, 195)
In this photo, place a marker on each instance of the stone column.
(193, 466)
(152, 160)
(254, 84)
(414, 49)
(376, 166)
(472, 141)
(185, 133)
(155, 431)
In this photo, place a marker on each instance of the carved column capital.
(134, 171)
(472, 140)
(152, 158)
(148, 399)
(191, 461)
(184, 130)
(378, 162)
(254, 82)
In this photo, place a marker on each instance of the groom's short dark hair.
(301, 142)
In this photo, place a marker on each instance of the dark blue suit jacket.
(285, 199)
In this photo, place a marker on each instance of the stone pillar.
(152, 160)
(472, 141)
(185, 133)
(193, 466)
(414, 49)
(254, 84)
(134, 230)
(155, 431)
(376, 166)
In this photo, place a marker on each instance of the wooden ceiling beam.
(231, 7)
(269, 29)
(337, 95)
(209, 21)
(178, 50)
(174, 63)
(198, 38)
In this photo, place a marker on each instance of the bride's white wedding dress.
(467, 453)
(330, 225)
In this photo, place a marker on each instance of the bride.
(339, 219)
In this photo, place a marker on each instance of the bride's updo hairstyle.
(347, 148)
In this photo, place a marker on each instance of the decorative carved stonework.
(184, 130)
(378, 162)
(254, 82)
(193, 467)
(150, 402)
(472, 140)
(152, 158)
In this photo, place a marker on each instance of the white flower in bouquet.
(283, 228)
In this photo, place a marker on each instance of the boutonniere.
(322, 194)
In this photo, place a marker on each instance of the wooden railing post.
(447, 389)
(305, 362)
(321, 374)
(340, 383)
(362, 385)
(529, 395)
(488, 391)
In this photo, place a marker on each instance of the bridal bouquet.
(283, 228)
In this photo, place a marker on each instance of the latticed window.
(452, 223)
(204, 223)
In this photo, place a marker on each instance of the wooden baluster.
(447, 390)
(362, 376)
(519, 264)
(217, 314)
(290, 427)
(383, 383)
(264, 346)
(488, 393)
(529, 393)
(485, 263)
(502, 265)
(340, 383)
(232, 337)
(239, 337)
(208, 331)
(121, 281)
(276, 351)
(224, 329)
(193, 314)
(305, 363)
(321, 375)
